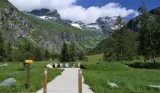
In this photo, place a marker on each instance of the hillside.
(16, 25)
(133, 25)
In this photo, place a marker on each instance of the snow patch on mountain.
(76, 25)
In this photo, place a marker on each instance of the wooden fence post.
(45, 81)
(79, 81)
(28, 76)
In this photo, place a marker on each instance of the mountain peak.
(46, 13)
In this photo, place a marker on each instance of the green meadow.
(129, 80)
(15, 70)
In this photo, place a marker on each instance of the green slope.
(49, 35)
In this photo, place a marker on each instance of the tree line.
(23, 51)
(26, 50)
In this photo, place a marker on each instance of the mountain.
(108, 24)
(103, 25)
(46, 13)
(16, 25)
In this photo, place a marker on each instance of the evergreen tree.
(46, 55)
(2, 49)
(148, 35)
(52, 56)
(108, 53)
(37, 54)
(81, 55)
(64, 53)
(9, 52)
(72, 52)
(121, 44)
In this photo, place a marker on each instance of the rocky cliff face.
(14, 26)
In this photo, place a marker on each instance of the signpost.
(79, 81)
(28, 62)
(45, 81)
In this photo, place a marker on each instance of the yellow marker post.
(28, 62)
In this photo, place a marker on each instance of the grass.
(15, 70)
(129, 80)
(95, 58)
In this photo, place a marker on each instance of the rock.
(8, 82)
(154, 87)
(3, 65)
(112, 85)
(49, 66)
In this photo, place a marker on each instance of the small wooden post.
(28, 76)
(45, 81)
(79, 81)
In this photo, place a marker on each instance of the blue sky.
(87, 11)
(131, 4)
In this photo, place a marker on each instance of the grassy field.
(15, 70)
(129, 80)
(95, 58)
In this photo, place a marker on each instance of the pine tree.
(37, 54)
(64, 53)
(9, 52)
(81, 55)
(121, 44)
(124, 44)
(2, 49)
(72, 52)
(147, 46)
(46, 55)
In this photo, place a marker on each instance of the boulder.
(156, 87)
(112, 85)
(3, 65)
(8, 82)
(49, 66)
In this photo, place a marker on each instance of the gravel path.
(66, 83)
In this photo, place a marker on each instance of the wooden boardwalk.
(66, 83)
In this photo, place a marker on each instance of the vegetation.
(73, 53)
(149, 41)
(69, 53)
(120, 45)
(2, 50)
(129, 80)
(15, 70)
(64, 57)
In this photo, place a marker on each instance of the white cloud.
(68, 9)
